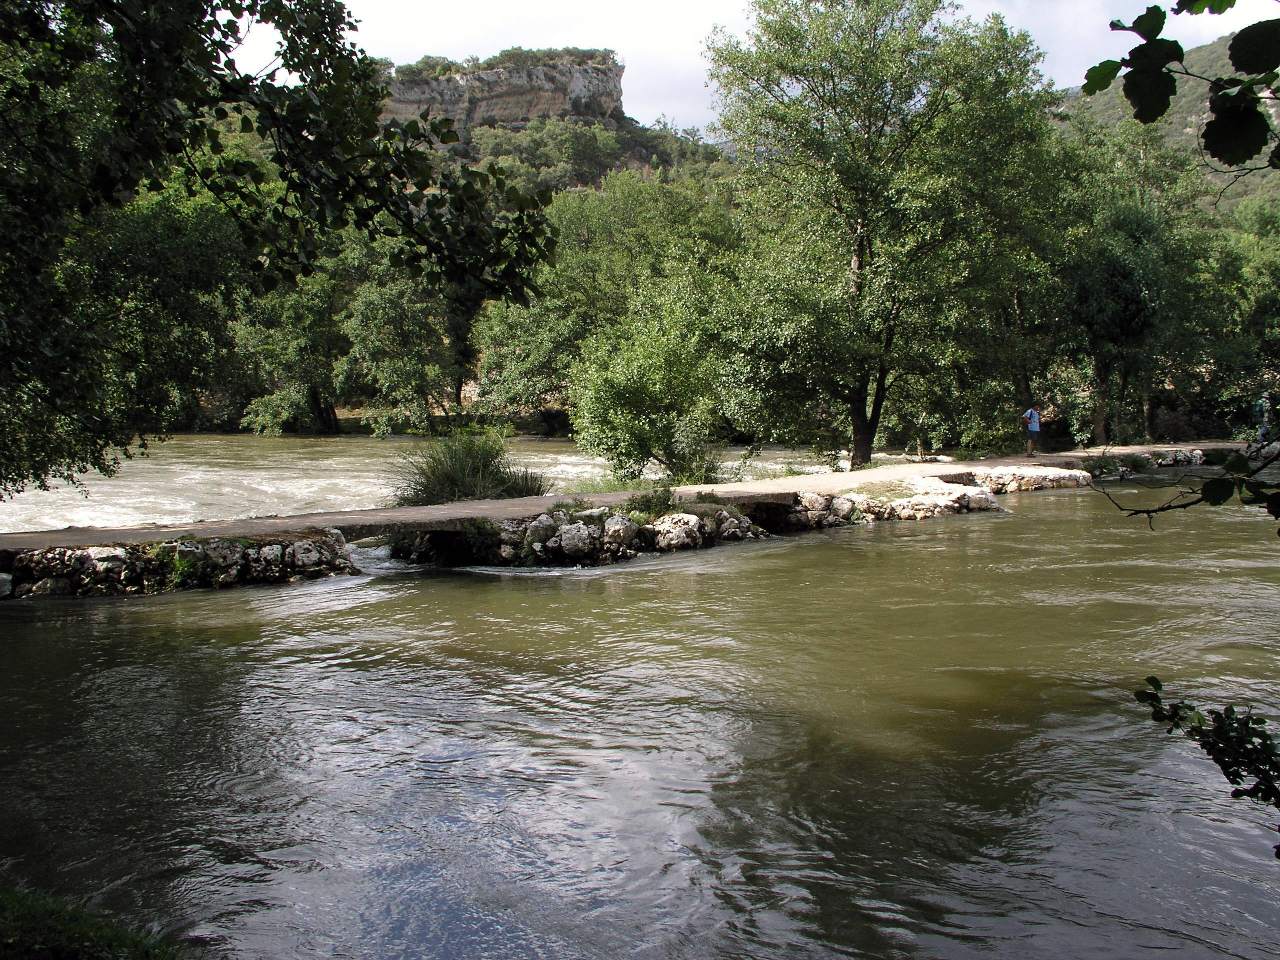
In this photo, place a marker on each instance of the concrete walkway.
(357, 524)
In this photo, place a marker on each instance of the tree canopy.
(104, 99)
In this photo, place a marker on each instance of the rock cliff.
(512, 96)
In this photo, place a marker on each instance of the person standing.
(1031, 425)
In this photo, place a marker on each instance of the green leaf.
(1256, 48)
(1155, 55)
(1148, 26)
(1218, 490)
(1149, 92)
(1100, 76)
(1151, 23)
(1154, 683)
(1204, 6)
(1236, 134)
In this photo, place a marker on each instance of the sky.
(662, 41)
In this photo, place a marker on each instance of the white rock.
(620, 530)
(678, 531)
(842, 508)
(813, 502)
(272, 553)
(1013, 479)
(303, 554)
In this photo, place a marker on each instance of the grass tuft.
(464, 466)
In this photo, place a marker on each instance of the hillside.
(1182, 124)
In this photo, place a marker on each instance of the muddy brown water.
(914, 740)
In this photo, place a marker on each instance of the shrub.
(654, 503)
(463, 466)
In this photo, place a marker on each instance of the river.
(905, 741)
(223, 477)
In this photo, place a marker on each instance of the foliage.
(104, 97)
(652, 503)
(1236, 739)
(1241, 125)
(612, 243)
(645, 391)
(550, 154)
(35, 926)
(513, 58)
(462, 466)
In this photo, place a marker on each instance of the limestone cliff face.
(512, 96)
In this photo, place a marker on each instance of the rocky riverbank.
(566, 534)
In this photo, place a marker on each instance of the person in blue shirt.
(1031, 423)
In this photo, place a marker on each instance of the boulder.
(51, 587)
(595, 515)
(579, 540)
(813, 502)
(189, 551)
(540, 530)
(107, 561)
(844, 509)
(620, 530)
(224, 553)
(303, 555)
(511, 533)
(678, 531)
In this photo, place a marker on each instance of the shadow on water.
(912, 741)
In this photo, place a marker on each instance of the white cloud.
(661, 41)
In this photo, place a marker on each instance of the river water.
(223, 477)
(905, 741)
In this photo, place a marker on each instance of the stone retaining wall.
(172, 565)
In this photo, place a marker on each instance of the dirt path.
(356, 524)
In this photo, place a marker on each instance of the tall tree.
(877, 132)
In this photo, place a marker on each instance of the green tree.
(102, 97)
(876, 133)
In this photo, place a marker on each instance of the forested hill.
(1186, 117)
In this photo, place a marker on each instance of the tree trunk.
(1148, 415)
(1022, 383)
(1101, 401)
(861, 439)
(323, 412)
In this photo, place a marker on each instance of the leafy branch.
(1236, 740)
(1241, 127)
(1241, 476)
